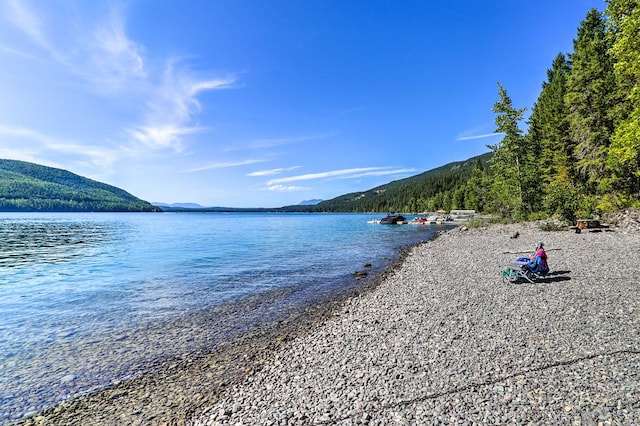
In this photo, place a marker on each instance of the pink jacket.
(543, 257)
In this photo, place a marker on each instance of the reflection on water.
(29, 242)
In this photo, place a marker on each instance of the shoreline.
(443, 341)
(198, 378)
(435, 337)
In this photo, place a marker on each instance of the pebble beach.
(439, 339)
(443, 341)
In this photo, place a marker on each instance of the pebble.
(68, 378)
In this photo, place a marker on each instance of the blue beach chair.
(524, 269)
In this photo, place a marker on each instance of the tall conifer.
(475, 188)
(510, 172)
(591, 98)
(624, 153)
(548, 135)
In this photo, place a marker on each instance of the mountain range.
(31, 187)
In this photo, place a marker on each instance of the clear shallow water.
(86, 299)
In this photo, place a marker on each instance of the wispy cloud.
(472, 137)
(34, 143)
(161, 136)
(224, 165)
(481, 131)
(17, 52)
(114, 61)
(380, 173)
(262, 173)
(117, 67)
(172, 105)
(353, 173)
(27, 21)
(283, 188)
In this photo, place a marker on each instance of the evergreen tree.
(548, 134)
(624, 153)
(591, 98)
(510, 173)
(458, 200)
(475, 188)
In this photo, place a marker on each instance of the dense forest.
(580, 155)
(31, 187)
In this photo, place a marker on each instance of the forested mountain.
(447, 187)
(31, 187)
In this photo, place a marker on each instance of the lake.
(90, 299)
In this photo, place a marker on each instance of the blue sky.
(261, 103)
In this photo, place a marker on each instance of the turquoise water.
(87, 299)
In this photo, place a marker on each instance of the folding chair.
(517, 270)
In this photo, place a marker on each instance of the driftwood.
(528, 251)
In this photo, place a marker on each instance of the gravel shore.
(443, 341)
(439, 340)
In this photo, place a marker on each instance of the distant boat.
(393, 219)
(423, 220)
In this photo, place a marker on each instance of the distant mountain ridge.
(310, 202)
(178, 205)
(26, 187)
(403, 194)
(182, 207)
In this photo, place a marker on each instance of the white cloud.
(164, 97)
(20, 132)
(114, 60)
(380, 173)
(472, 137)
(176, 94)
(479, 132)
(161, 136)
(342, 174)
(261, 173)
(107, 58)
(283, 188)
(172, 106)
(34, 144)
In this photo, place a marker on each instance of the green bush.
(552, 227)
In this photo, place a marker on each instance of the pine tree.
(510, 169)
(474, 196)
(591, 98)
(548, 134)
(624, 153)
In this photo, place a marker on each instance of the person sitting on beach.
(538, 262)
